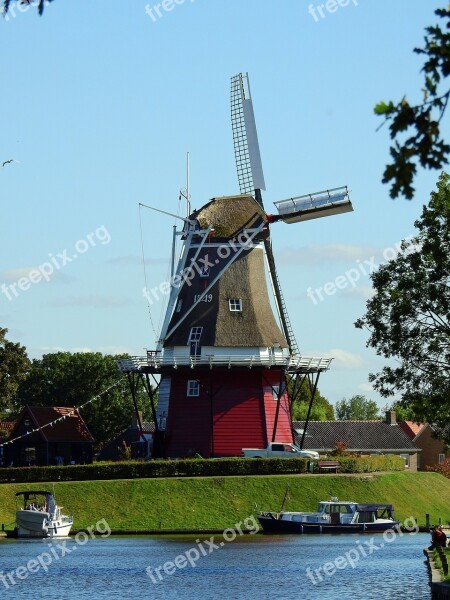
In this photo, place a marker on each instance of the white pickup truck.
(278, 450)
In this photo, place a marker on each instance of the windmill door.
(196, 349)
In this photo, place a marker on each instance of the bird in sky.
(6, 162)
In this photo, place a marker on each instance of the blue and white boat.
(333, 516)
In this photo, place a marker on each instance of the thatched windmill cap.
(229, 215)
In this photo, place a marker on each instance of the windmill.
(222, 361)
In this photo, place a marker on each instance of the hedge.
(370, 464)
(192, 468)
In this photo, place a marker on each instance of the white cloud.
(366, 388)
(315, 254)
(132, 260)
(343, 359)
(13, 275)
(361, 291)
(92, 301)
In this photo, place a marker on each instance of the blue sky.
(100, 105)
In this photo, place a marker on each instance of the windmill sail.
(251, 180)
(245, 137)
(313, 206)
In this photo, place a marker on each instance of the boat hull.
(271, 524)
(37, 524)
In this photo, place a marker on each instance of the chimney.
(391, 417)
(134, 420)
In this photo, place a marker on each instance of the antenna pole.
(187, 187)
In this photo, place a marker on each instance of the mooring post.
(440, 520)
(427, 520)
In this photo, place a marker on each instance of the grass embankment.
(220, 502)
(438, 563)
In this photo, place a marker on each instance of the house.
(425, 437)
(360, 437)
(48, 435)
(5, 430)
(140, 442)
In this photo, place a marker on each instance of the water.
(251, 566)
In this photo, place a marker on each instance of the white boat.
(40, 517)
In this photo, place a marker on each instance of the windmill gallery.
(223, 360)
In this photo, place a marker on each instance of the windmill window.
(275, 391)
(193, 388)
(441, 459)
(195, 334)
(204, 272)
(235, 304)
(179, 305)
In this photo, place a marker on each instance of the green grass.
(438, 563)
(220, 502)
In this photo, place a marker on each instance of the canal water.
(325, 567)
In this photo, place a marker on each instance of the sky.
(102, 101)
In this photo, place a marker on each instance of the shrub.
(443, 469)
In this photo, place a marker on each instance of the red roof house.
(426, 438)
(48, 435)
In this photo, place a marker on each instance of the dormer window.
(235, 304)
(195, 334)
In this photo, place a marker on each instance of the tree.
(321, 409)
(66, 379)
(358, 408)
(421, 122)
(14, 364)
(408, 317)
(6, 6)
(403, 413)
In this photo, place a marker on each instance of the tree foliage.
(422, 143)
(321, 409)
(357, 408)
(409, 316)
(14, 364)
(66, 379)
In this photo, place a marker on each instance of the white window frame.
(235, 304)
(195, 334)
(407, 458)
(205, 272)
(193, 388)
(275, 392)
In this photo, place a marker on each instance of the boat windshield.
(325, 507)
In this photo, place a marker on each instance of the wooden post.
(427, 520)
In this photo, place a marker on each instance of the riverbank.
(215, 503)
